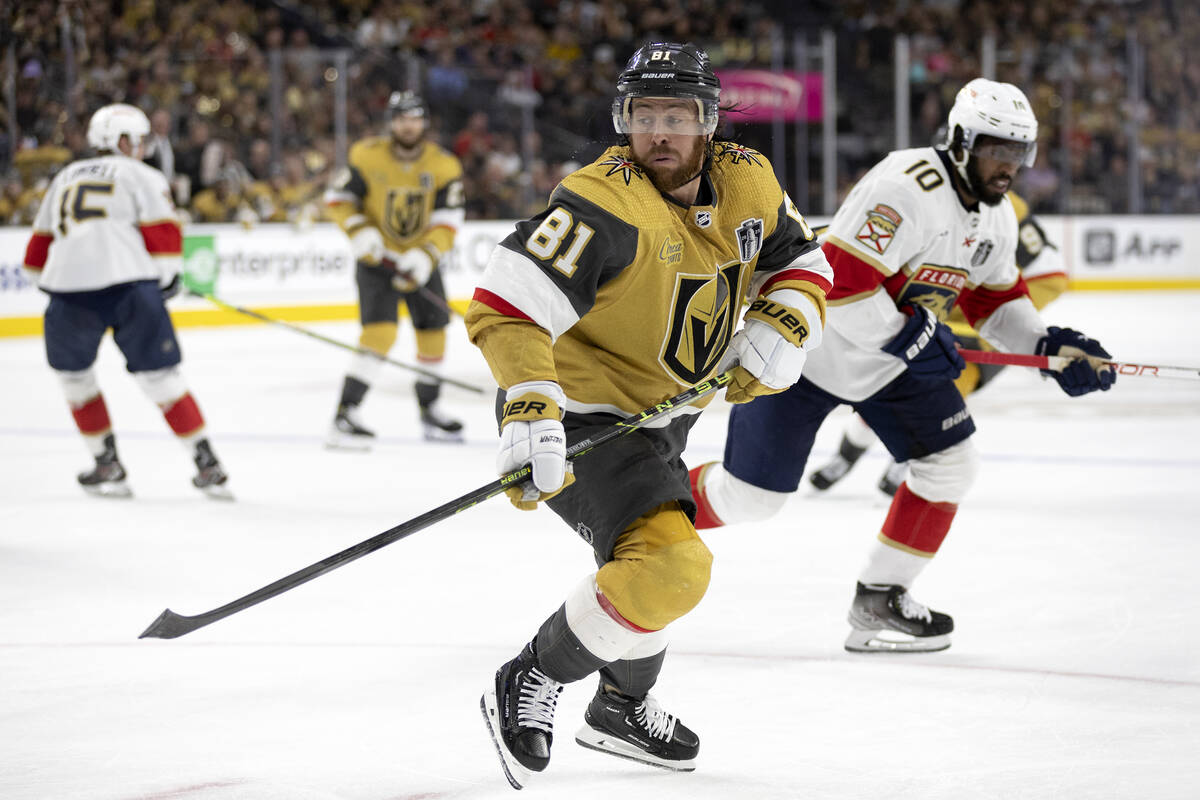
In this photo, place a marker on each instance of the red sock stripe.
(184, 416)
(915, 523)
(705, 516)
(92, 417)
(616, 615)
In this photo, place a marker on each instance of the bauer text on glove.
(769, 350)
(532, 433)
(926, 345)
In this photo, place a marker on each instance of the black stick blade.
(169, 625)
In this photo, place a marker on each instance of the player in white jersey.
(106, 247)
(924, 230)
(1041, 267)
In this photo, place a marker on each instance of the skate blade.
(592, 739)
(217, 492)
(517, 775)
(342, 441)
(433, 433)
(888, 641)
(118, 489)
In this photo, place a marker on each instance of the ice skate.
(519, 711)
(210, 477)
(891, 479)
(437, 427)
(884, 618)
(347, 432)
(836, 469)
(638, 730)
(107, 478)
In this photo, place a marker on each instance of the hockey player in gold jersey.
(626, 288)
(400, 200)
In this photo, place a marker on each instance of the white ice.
(1071, 573)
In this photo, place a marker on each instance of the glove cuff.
(789, 322)
(533, 400)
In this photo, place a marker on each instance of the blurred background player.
(925, 229)
(400, 200)
(1042, 268)
(106, 247)
(627, 288)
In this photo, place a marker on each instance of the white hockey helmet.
(111, 122)
(990, 108)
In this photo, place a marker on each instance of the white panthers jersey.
(105, 221)
(903, 236)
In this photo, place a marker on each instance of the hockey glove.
(367, 244)
(926, 346)
(767, 351)
(531, 432)
(1087, 372)
(411, 269)
(171, 289)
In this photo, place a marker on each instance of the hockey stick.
(364, 351)
(1059, 362)
(170, 625)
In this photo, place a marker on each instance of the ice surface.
(1071, 574)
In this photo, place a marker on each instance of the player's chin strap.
(961, 166)
(170, 625)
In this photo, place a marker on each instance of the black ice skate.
(210, 477)
(437, 427)
(107, 478)
(889, 482)
(836, 469)
(884, 618)
(638, 730)
(347, 432)
(519, 712)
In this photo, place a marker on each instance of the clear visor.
(664, 115)
(1005, 151)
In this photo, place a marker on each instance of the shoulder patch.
(880, 228)
(737, 154)
(619, 164)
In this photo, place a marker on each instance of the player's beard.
(408, 142)
(977, 187)
(668, 179)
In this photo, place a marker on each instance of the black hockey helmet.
(668, 69)
(406, 104)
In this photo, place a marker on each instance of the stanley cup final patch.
(749, 238)
(880, 228)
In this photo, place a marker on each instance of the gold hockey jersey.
(417, 203)
(625, 296)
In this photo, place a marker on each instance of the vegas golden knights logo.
(704, 313)
(404, 214)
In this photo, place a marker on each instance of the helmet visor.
(1005, 150)
(675, 116)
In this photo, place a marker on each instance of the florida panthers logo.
(935, 287)
(627, 168)
(704, 314)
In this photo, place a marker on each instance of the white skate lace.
(659, 723)
(911, 609)
(539, 697)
